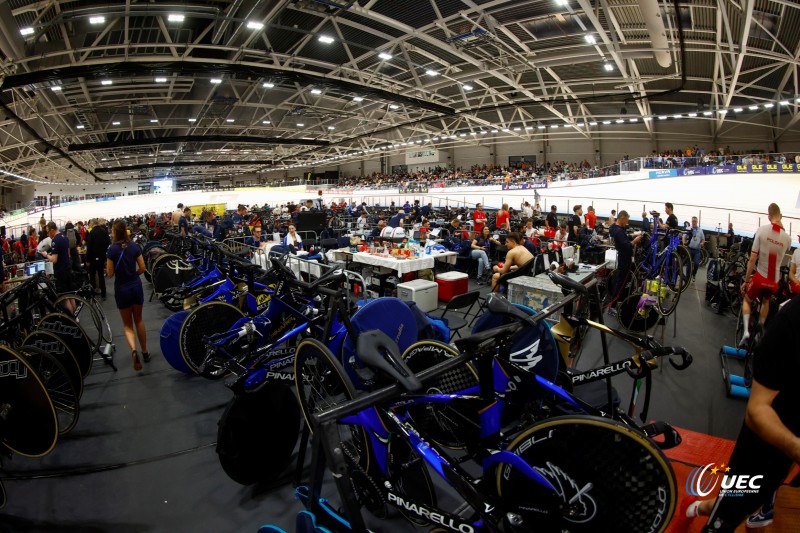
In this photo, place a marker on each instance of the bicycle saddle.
(567, 283)
(655, 214)
(376, 350)
(499, 305)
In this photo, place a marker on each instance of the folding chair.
(454, 311)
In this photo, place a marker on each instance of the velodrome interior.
(242, 102)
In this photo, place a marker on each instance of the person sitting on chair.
(517, 256)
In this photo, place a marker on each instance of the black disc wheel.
(634, 318)
(171, 271)
(72, 334)
(206, 320)
(257, 434)
(322, 384)
(30, 424)
(63, 393)
(84, 314)
(621, 483)
(55, 346)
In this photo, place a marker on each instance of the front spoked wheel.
(686, 267)
(621, 483)
(669, 284)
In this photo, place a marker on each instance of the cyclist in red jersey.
(763, 270)
(502, 218)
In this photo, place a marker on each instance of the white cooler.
(421, 291)
(611, 258)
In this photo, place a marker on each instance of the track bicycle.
(662, 271)
(535, 477)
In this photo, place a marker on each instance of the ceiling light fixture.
(161, 80)
(26, 31)
(723, 111)
(265, 121)
(467, 87)
(593, 123)
(785, 102)
(633, 120)
(331, 128)
(769, 106)
(752, 107)
(619, 121)
(430, 72)
(385, 56)
(253, 25)
(739, 109)
(153, 120)
(692, 115)
(541, 127)
(590, 39)
(229, 120)
(216, 81)
(55, 88)
(300, 124)
(325, 39)
(192, 120)
(106, 82)
(707, 113)
(494, 131)
(97, 20)
(176, 17)
(80, 126)
(677, 116)
(607, 122)
(316, 91)
(608, 66)
(268, 85)
(115, 123)
(393, 106)
(358, 98)
(554, 126)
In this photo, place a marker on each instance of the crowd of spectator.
(698, 156)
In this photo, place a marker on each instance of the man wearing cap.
(552, 220)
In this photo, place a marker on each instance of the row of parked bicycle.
(47, 346)
(387, 400)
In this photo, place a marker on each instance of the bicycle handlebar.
(646, 360)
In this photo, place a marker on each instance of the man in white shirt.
(361, 223)
(770, 244)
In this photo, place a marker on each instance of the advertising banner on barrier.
(106, 199)
(664, 173)
(524, 186)
(335, 192)
(414, 188)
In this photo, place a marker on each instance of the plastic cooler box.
(451, 284)
(420, 291)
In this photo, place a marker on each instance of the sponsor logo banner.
(702, 481)
(411, 189)
(664, 173)
(524, 186)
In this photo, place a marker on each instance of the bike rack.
(735, 385)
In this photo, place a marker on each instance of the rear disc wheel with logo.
(204, 321)
(63, 393)
(67, 329)
(621, 482)
(56, 347)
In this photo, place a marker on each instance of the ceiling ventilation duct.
(651, 11)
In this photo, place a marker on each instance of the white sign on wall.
(422, 155)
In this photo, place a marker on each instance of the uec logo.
(701, 485)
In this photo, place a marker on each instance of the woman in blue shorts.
(125, 264)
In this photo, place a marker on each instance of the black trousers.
(98, 266)
(751, 456)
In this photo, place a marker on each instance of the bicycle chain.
(372, 498)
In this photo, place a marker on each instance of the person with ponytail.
(124, 263)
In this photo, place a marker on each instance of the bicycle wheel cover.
(257, 434)
(63, 393)
(171, 271)
(54, 345)
(206, 320)
(86, 317)
(632, 484)
(389, 315)
(629, 318)
(73, 335)
(170, 343)
(31, 426)
(534, 348)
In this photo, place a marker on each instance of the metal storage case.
(423, 292)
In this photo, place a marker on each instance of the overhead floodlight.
(651, 118)
(80, 126)
(229, 120)
(593, 123)
(739, 109)
(769, 106)
(633, 119)
(325, 39)
(484, 132)
(430, 72)
(216, 81)
(607, 122)
(785, 102)
(253, 25)
(394, 106)
(55, 88)
(692, 115)
(619, 121)
(26, 31)
(590, 39)
(106, 82)
(608, 66)
(707, 113)
(462, 135)
(316, 91)
(677, 116)
(494, 131)
(517, 129)
(358, 98)
(528, 127)
(385, 56)
(115, 123)
(153, 120)
(161, 80)
(436, 138)
(419, 142)
(467, 87)
(562, 2)
(300, 124)
(542, 126)
(753, 108)
(268, 85)
(554, 126)
(176, 17)
(723, 111)
(97, 20)
(331, 128)
(265, 121)
(192, 120)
